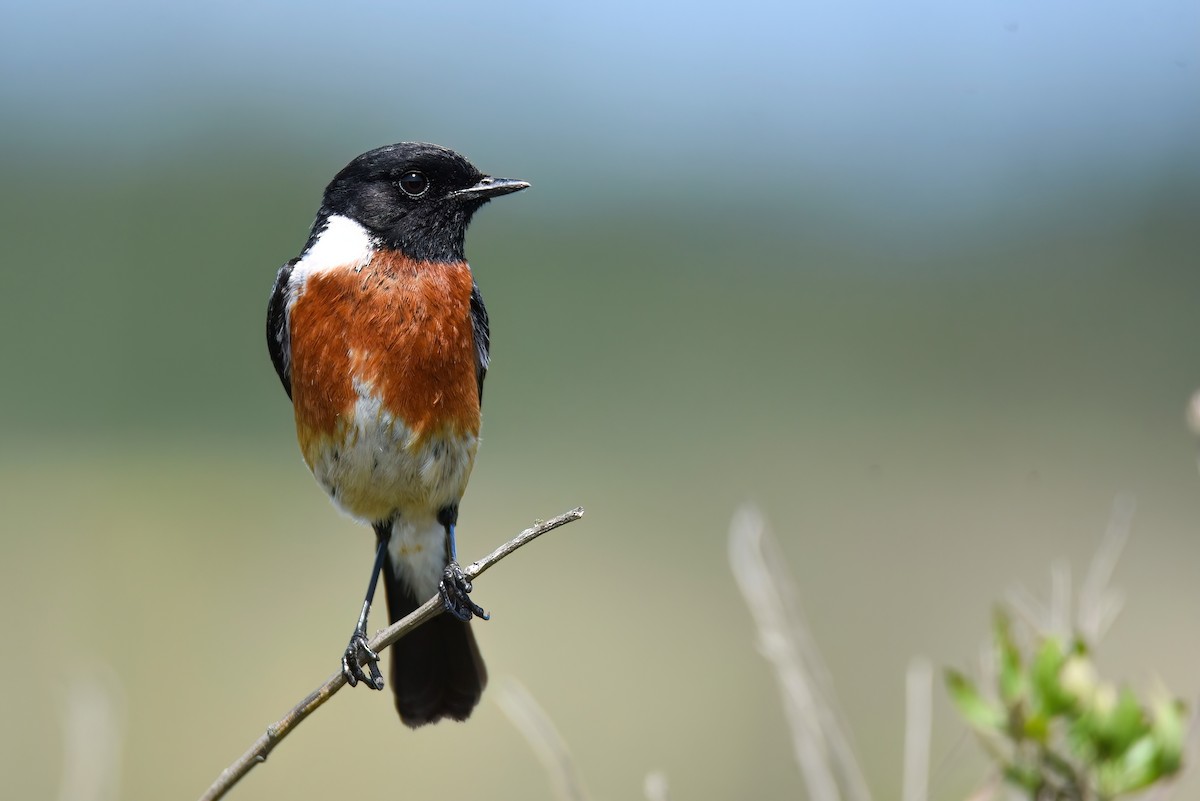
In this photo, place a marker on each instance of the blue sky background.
(903, 110)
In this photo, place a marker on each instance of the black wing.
(483, 341)
(278, 337)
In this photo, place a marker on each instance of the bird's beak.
(489, 187)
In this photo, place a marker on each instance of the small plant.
(1059, 733)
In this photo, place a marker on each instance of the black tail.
(436, 669)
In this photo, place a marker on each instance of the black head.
(414, 197)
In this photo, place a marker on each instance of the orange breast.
(398, 327)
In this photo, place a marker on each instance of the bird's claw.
(359, 655)
(454, 589)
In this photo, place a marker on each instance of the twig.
(918, 725)
(95, 715)
(655, 786)
(532, 721)
(427, 611)
(820, 740)
(1099, 604)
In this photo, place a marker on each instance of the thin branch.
(918, 727)
(1059, 624)
(820, 738)
(95, 716)
(655, 786)
(1099, 604)
(535, 725)
(427, 611)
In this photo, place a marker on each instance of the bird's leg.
(454, 587)
(358, 653)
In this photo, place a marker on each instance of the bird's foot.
(358, 656)
(454, 589)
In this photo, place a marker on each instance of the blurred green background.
(921, 281)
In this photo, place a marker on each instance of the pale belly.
(375, 467)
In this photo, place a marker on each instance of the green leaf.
(976, 710)
(1108, 725)
(1049, 696)
(1126, 724)
(1084, 735)
(1167, 727)
(1025, 777)
(1011, 679)
(1036, 727)
(1136, 768)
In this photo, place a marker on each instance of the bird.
(380, 337)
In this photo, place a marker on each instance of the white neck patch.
(342, 244)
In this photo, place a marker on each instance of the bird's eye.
(413, 183)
